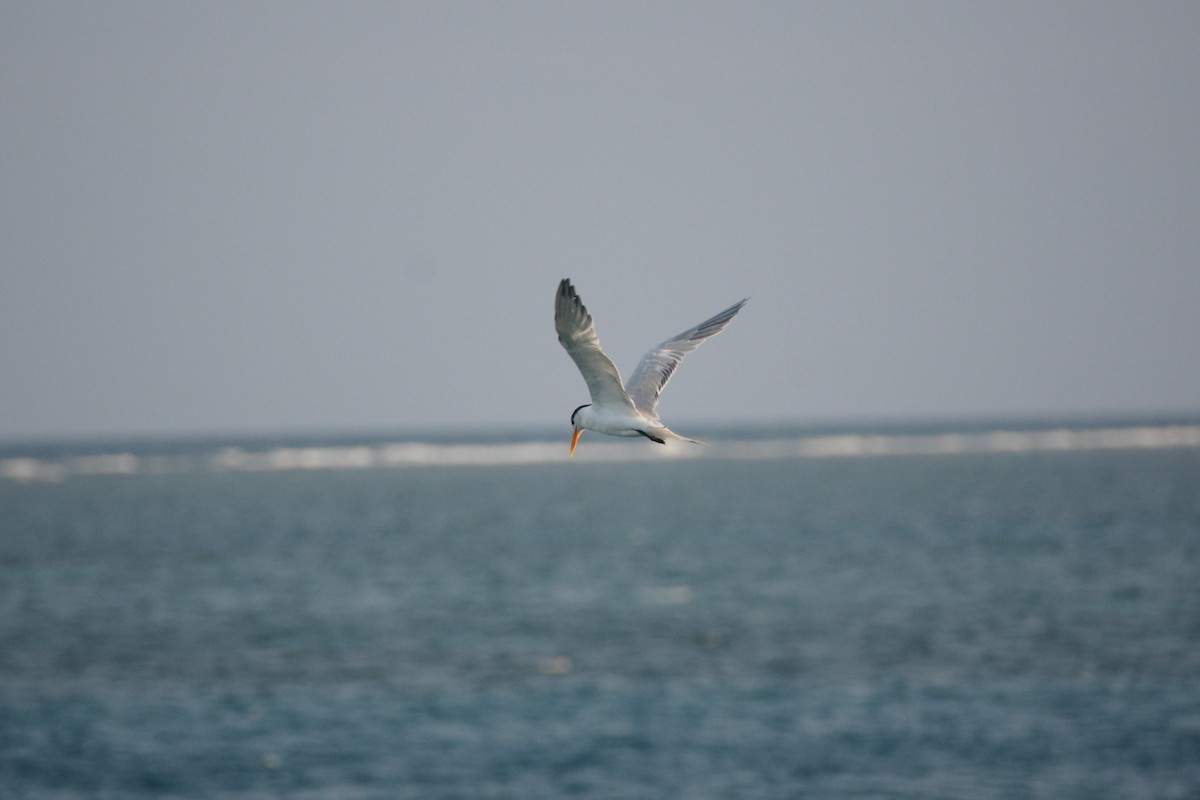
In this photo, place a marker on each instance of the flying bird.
(624, 409)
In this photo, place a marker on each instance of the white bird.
(624, 409)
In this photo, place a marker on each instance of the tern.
(624, 409)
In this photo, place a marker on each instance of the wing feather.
(658, 365)
(577, 334)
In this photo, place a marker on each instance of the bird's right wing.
(577, 334)
(657, 366)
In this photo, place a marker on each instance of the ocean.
(984, 611)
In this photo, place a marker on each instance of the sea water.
(931, 614)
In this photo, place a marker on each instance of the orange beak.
(575, 439)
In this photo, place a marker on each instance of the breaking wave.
(383, 454)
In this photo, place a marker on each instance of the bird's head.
(577, 424)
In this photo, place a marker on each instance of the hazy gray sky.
(291, 216)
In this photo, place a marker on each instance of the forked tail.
(663, 432)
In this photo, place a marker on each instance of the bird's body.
(624, 409)
(616, 422)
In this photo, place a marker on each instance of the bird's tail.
(663, 432)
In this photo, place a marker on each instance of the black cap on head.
(576, 411)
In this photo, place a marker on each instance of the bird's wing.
(658, 365)
(577, 334)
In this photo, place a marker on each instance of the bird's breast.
(612, 422)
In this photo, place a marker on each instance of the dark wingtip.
(566, 290)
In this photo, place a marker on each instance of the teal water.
(977, 624)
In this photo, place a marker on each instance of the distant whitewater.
(62, 461)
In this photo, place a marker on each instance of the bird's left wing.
(658, 365)
(577, 334)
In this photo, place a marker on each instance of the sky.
(290, 216)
